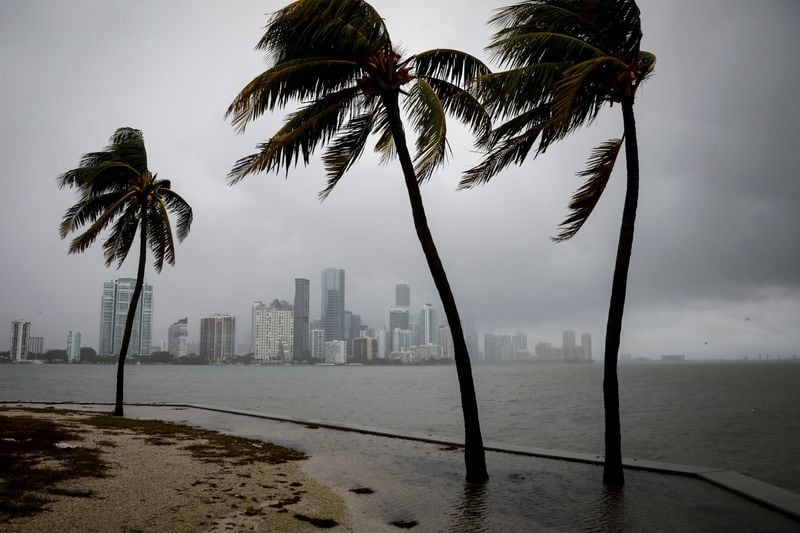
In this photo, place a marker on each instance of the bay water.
(736, 416)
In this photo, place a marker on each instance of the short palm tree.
(116, 189)
(566, 59)
(337, 58)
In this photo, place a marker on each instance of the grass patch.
(25, 478)
(208, 446)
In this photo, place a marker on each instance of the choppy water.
(743, 417)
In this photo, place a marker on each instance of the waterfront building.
(178, 338)
(401, 339)
(116, 299)
(273, 331)
(365, 349)
(426, 352)
(332, 303)
(428, 325)
(217, 337)
(301, 328)
(73, 347)
(471, 338)
(397, 318)
(402, 295)
(318, 344)
(20, 333)
(498, 348)
(383, 342)
(35, 345)
(445, 340)
(546, 352)
(586, 345)
(336, 352)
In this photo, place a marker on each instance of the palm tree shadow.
(470, 514)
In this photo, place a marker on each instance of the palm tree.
(116, 188)
(566, 59)
(337, 58)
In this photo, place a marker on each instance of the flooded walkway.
(401, 483)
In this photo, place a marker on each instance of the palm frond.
(300, 79)
(427, 116)
(506, 151)
(345, 149)
(515, 91)
(89, 209)
(597, 174)
(385, 145)
(462, 105)
(122, 236)
(89, 212)
(302, 132)
(349, 29)
(177, 205)
(159, 235)
(542, 47)
(453, 66)
(587, 76)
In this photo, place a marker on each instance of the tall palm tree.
(116, 189)
(336, 56)
(566, 59)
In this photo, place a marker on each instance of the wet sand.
(163, 487)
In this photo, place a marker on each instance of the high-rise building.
(570, 350)
(365, 349)
(332, 303)
(586, 344)
(178, 338)
(445, 340)
(397, 318)
(428, 325)
(301, 329)
(335, 352)
(35, 345)
(273, 331)
(217, 337)
(402, 295)
(117, 295)
(498, 348)
(20, 332)
(471, 338)
(318, 345)
(73, 347)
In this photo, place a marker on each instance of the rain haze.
(715, 269)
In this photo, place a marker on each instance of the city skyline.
(714, 269)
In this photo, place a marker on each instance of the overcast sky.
(716, 261)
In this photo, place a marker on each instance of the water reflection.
(470, 513)
(611, 510)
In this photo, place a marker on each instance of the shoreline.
(350, 458)
(156, 476)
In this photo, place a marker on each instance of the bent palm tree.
(116, 188)
(567, 59)
(338, 58)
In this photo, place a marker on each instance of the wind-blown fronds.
(346, 148)
(597, 174)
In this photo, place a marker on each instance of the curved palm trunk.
(474, 455)
(613, 476)
(126, 337)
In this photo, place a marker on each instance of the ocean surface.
(737, 416)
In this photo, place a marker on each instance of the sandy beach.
(164, 479)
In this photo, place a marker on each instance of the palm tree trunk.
(126, 337)
(474, 455)
(613, 476)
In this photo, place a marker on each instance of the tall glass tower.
(332, 303)
(117, 295)
(302, 331)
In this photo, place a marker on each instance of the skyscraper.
(318, 344)
(273, 335)
(178, 337)
(114, 304)
(586, 344)
(402, 295)
(73, 347)
(397, 318)
(301, 328)
(35, 345)
(332, 303)
(428, 326)
(20, 331)
(217, 337)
